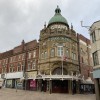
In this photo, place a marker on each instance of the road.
(11, 94)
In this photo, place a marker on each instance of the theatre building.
(58, 56)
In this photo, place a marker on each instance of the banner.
(32, 83)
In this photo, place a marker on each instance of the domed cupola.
(58, 18)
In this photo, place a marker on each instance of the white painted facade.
(96, 45)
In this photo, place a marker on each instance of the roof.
(57, 18)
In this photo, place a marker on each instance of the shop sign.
(32, 75)
(39, 77)
(32, 83)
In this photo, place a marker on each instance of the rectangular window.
(29, 55)
(6, 60)
(45, 54)
(95, 58)
(10, 69)
(14, 58)
(34, 54)
(19, 57)
(11, 59)
(67, 53)
(73, 56)
(34, 65)
(42, 55)
(93, 37)
(52, 53)
(29, 66)
(23, 56)
(19, 67)
(60, 50)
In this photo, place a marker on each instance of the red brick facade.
(85, 57)
(15, 59)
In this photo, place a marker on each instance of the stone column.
(50, 86)
(97, 89)
(70, 86)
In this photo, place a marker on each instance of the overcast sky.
(23, 19)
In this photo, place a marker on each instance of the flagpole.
(62, 66)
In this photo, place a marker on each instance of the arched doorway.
(58, 85)
(58, 71)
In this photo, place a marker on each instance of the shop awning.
(88, 81)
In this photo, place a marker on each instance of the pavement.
(11, 94)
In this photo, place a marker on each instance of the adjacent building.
(19, 65)
(95, 45)
(85, 64)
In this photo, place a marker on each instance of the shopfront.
(13, 80)
(87, 86)
(57, 83)
(31, 83)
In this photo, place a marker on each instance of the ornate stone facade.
(58, 40)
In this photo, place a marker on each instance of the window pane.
(52, 53)
(60, 50)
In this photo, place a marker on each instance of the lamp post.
(16, 85)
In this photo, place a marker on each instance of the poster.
(32, 83)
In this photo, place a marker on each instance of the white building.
(95, 49)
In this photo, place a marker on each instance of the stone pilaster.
(97, 89)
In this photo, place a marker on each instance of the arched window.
(42, 55)
(67, 52)
(45, 54)
(52, 53)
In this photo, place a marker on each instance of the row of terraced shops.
(51, 84)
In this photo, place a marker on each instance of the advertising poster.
(32, 83)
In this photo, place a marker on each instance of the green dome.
(57, 18)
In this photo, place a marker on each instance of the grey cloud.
(23, 19)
